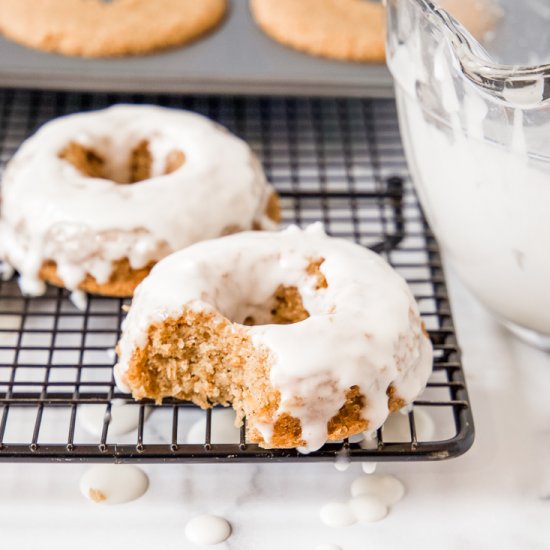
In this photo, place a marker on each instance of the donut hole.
(286, 306)
(140, 164)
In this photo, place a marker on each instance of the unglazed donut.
(93, 200)
(349, 30)
(307, 336)
(100, 28)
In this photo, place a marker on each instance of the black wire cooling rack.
(338, 161)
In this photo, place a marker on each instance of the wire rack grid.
(338, 161)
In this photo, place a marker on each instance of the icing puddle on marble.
(337, 514)
(368, 509)
(121, 483)
(207, 530)
(372, 496)
(387, 488)
(114, 483)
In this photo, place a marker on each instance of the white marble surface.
(495, 497)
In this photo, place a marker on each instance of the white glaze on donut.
(51, 211)
(364, 329)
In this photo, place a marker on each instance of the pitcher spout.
(479, 49)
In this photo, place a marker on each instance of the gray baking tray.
(236, 58)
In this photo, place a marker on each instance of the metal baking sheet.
(236, 58)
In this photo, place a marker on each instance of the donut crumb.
(96, 495)
(287, 306)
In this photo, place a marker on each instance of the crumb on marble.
(96, 495)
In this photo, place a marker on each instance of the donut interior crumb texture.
(205, 358)
(140, 162)
(89, 163)
(84, 159)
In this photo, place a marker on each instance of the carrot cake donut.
(93, 200)
(311, 338)
(100, 28)
(349, 30)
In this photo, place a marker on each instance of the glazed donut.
(93, 200)
(309, 337)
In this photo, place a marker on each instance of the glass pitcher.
(475, 122)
